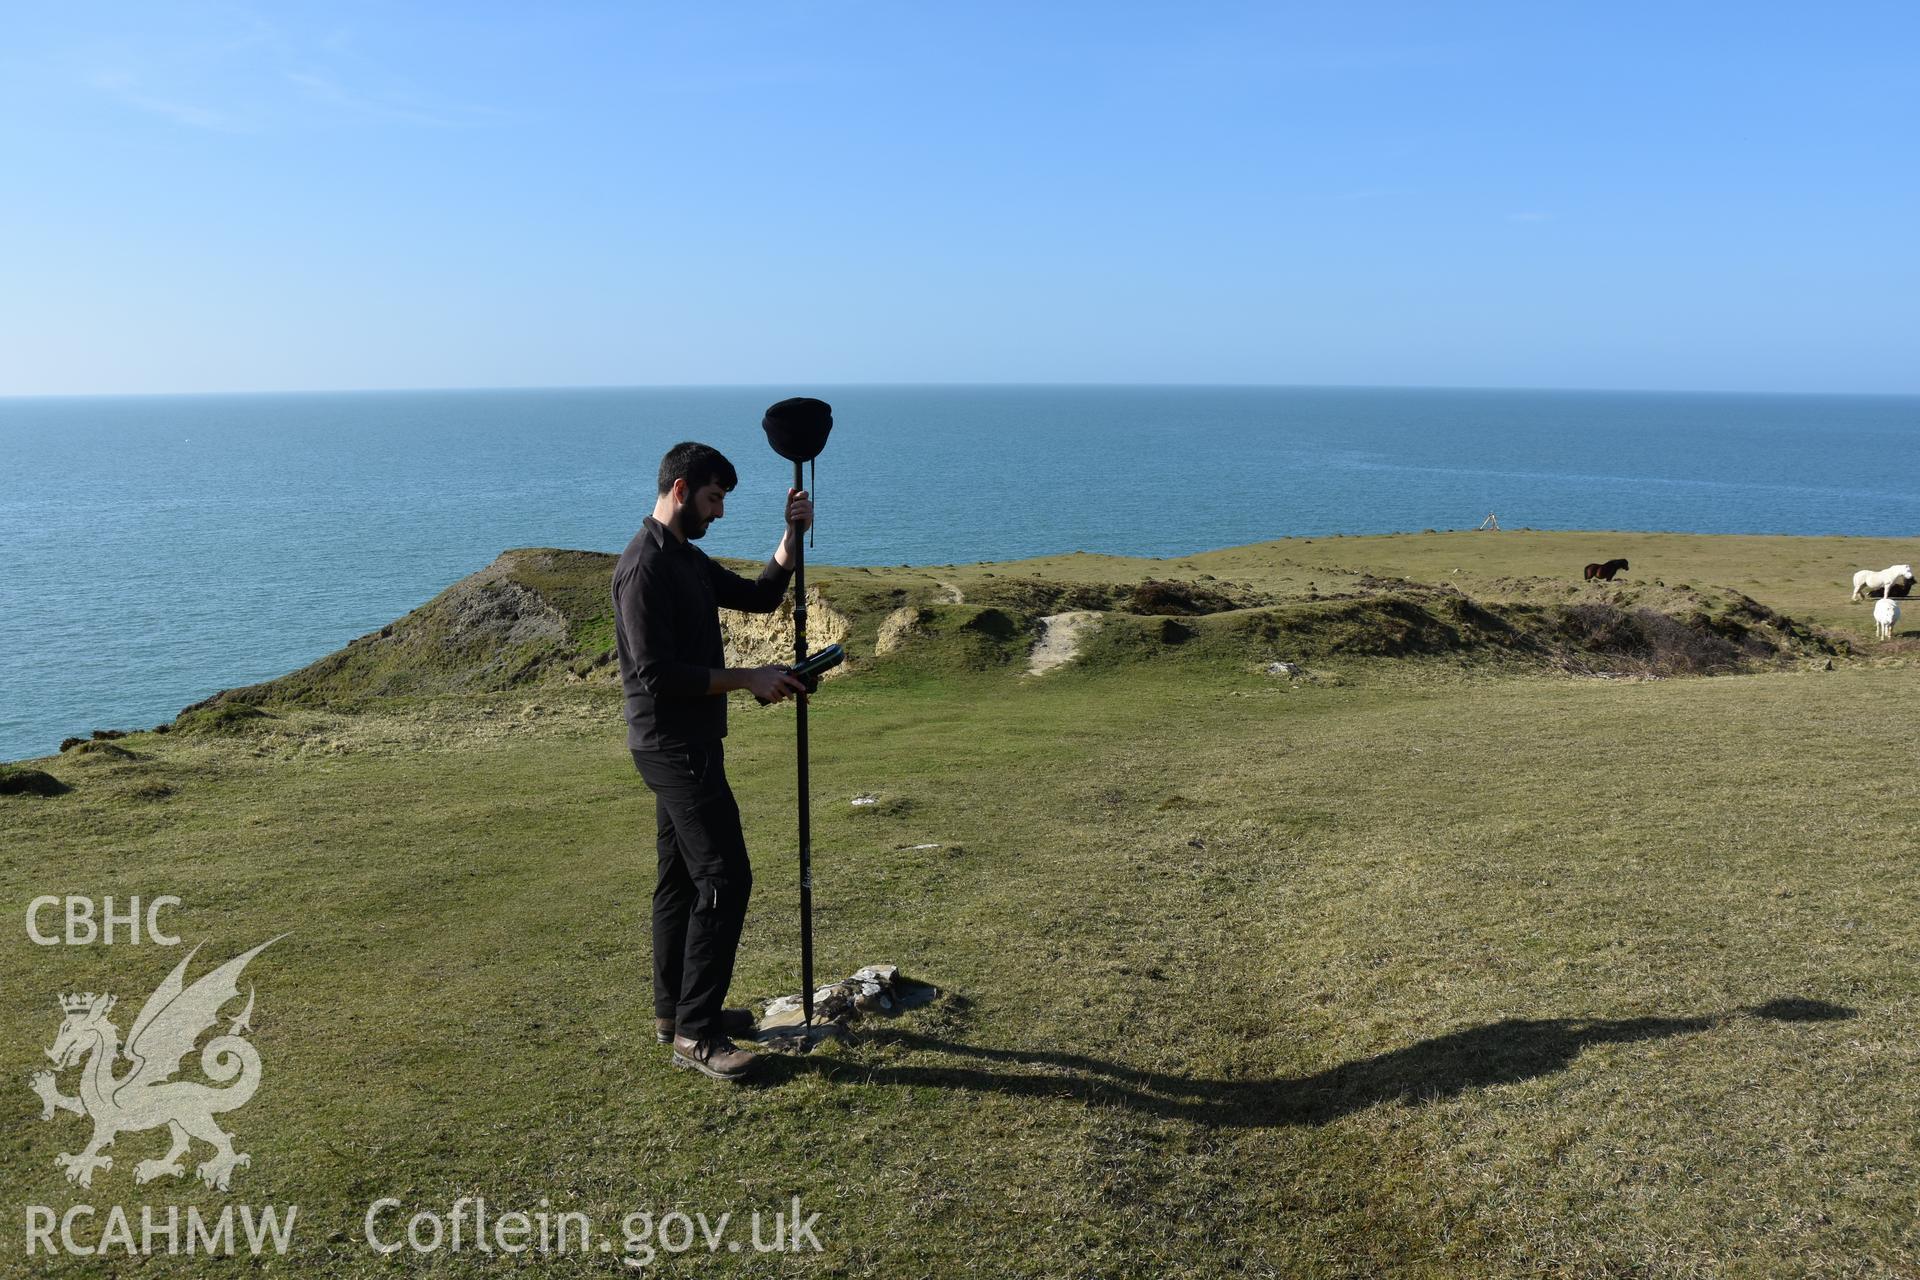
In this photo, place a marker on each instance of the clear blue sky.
(289, 196)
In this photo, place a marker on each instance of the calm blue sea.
(157, 549)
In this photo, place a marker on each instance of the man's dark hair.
(699, 465)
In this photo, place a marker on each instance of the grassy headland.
(1500, 939)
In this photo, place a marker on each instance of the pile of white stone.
(876, 989)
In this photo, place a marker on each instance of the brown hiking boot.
(733, 1022)
(715, 1056)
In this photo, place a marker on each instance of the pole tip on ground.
(800, 1039)
(876, 989)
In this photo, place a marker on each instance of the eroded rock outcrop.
(756, 639)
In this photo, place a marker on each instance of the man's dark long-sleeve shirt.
(667, 596)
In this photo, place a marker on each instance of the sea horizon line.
(1064, 385)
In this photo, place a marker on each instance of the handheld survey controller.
(810, 671)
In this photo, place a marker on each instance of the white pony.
(1868, 581)
(1886, 612)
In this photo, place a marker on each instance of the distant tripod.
(1491, 522)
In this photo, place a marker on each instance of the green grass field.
(1449, 963)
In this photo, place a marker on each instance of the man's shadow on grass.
(1503, 1052)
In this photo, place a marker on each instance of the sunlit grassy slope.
(1447, 963)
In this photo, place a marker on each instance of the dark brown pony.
(1605, 572)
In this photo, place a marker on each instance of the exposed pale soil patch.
(756, 639)
(1059, 640)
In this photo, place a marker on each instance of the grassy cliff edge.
(1429, 954)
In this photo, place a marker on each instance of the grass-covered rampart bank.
(1439, 956)
(538, 617)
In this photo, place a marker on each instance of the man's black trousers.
(700, 893)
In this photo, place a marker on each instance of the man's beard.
(693, 526)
